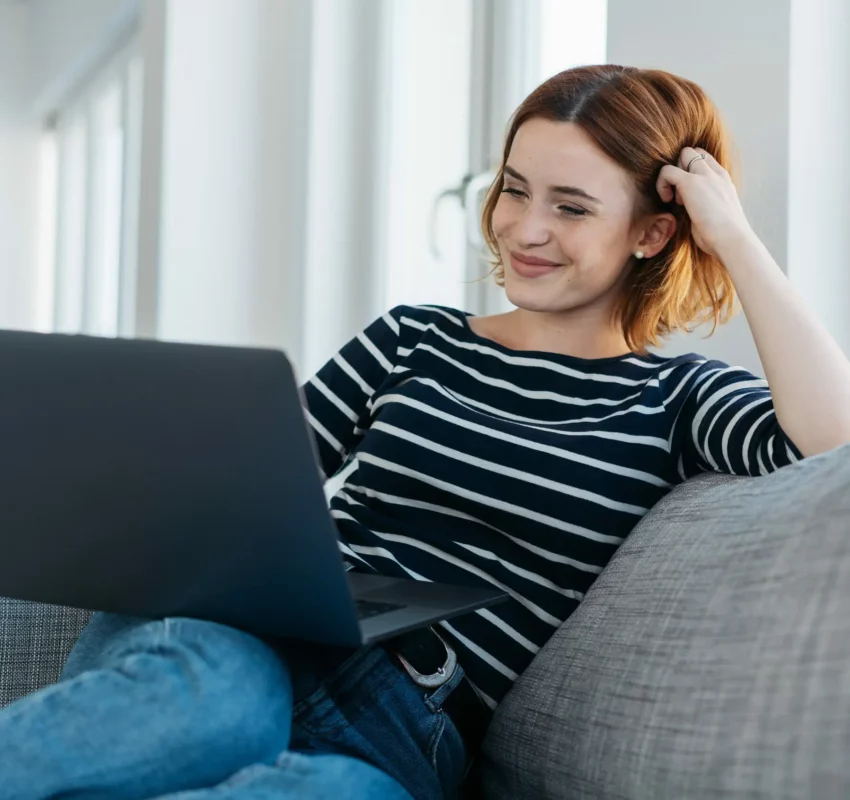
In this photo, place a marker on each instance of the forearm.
(808, 375)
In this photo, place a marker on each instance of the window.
(426, 90)
(428, 120)
(447, 136)
(90, 164)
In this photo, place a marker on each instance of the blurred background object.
(279, 172)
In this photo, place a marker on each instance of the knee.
(205, 682)
(223, 680)
(101, 628)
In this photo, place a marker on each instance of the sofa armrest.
(35, 640)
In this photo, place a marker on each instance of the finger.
(690, 160)
(712, 162)
(685, 155)
(671, 181)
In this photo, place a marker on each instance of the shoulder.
(699, 379)
(414, 321)
(425, 314)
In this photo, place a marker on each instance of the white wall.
(18, 174)
(739, 52)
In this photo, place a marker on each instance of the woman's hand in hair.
(709, 197)
(808, 374)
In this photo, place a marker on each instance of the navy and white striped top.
(467, 462)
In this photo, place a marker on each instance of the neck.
(579, 333)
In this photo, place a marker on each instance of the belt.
(431, 662)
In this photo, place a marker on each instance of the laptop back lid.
(163, 479)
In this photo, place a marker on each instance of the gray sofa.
(711, 658)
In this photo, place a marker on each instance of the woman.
(516, 450)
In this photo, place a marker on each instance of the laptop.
(162, 479)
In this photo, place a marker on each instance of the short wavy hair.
(642, 119)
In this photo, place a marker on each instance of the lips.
(530, 267)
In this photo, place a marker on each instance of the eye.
(568, 211)
(571, 211)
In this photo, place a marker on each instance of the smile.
(528, 267)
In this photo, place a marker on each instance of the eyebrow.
(574, 191)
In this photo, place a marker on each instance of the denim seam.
(436, 738)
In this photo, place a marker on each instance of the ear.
(655, 231)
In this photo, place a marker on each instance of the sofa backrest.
(710, 659)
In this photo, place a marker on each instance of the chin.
(534, 298)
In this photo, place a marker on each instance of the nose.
(531, 226)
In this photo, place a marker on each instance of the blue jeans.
(192, 710)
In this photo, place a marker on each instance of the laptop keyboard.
(370, 608)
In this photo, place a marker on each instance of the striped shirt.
(467, 462)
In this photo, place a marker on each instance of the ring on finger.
(700, 157)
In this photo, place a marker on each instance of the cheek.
(580, 243)
(600, 244)
(501, 218)
(595, 258)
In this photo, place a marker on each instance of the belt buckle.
(438, 678)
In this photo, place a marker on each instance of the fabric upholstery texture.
(35, 640)
(710, 659)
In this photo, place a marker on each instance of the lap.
(343, 703)
(369, 708)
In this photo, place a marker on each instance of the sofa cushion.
(710, 659)
(35, 640)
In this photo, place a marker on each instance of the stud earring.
(639, 254)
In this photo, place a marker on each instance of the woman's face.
(565, 202)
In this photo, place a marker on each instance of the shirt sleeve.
(726, 423)
(337, 399)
